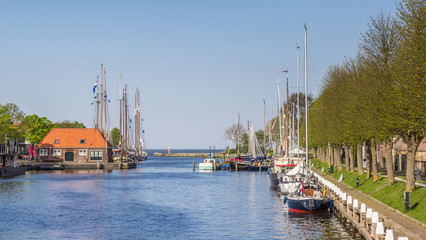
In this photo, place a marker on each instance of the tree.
(37, 128)
(68, 124)
(408, 74)
(378, 46)
(234, 133)
(15, 114)
(115, 136)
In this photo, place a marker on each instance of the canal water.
(161, 199)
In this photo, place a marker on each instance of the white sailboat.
(307, 197)
(140, 150)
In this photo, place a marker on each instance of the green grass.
(392, 196)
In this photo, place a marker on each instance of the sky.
(198, 64)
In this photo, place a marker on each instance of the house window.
(95, 155)
(56, 152)
(82, 141)
(56, 141)
(43, 152)
(82, 152)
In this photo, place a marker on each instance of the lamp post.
(214, 150)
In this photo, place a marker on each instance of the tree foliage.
(381, 92)
(115, 136)
(68, 124)
(37, 127)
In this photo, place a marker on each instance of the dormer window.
(82, 141)
(56, 141)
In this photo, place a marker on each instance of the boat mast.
(279, 114)
(105, 106)
(97, 102)
(306, 100)
(102, 98)
(238, 135)
(264, 128)
(121, 110)
(286, 152)
(137, 122)
(298, 106)
(125, 118)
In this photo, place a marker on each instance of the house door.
(69, 156)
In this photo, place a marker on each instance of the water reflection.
(161, 199)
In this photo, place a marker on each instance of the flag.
(341, 178)
(286, 71)
(96, 85)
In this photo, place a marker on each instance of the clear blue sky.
(197, 63)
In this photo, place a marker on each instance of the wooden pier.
(373, 219)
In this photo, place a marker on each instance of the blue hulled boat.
(307, 203)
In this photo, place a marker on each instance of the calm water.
(161, 199)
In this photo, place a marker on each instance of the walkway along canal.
(372, 218)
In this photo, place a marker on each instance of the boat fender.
(285, 200)
(325, 192)
(331, 205)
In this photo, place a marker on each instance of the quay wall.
(195, 155)
(111, 165)
(373, 219)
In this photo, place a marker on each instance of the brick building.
(75, 145)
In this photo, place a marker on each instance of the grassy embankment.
(392, 196)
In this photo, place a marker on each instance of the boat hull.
(50, 166)
(273, 179)
(12, 171)
(241, 166)
(256, 168)
(207, 168)
(307, 204)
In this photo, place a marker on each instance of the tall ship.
(140, 148)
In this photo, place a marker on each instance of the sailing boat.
(140, 151)
(307, 197)
(255, 152)
(282, 163)
(124, 153)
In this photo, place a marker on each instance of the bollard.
(214, 165)
(193, 166)
(236, 166)
(380, 231)
(260, 167)
(389, 234)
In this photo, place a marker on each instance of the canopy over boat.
(298, 170)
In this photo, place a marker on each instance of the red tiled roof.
(71, 138)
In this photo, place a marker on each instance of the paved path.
(411, 227)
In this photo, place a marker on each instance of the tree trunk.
(368, 158)
(413, 141)
(359, 158)
(389, 162)
(347, 159)
(352, 159)
(338, 158)
(373, 147)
